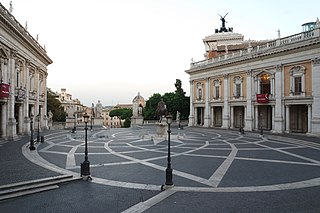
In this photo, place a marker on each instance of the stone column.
(248, 123)
(21, 119)
(256, 117)
(309, 118)
(232, 117)
(315, 121)
(206, 122)
(278, 113)
(191, 115)
(4, 120)
(11, 130)
(273, 114)
(287, 118)
(212, 116)
(26, 100)
(226, 112)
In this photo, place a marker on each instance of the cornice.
(14, 28)
(253, 56)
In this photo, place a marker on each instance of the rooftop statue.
(223, 27)
(223, 20)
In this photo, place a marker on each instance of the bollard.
(42, 139)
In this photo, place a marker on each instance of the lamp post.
(75, 122)
(38, 136)
(85, 166)
(31, 137)
(92, 115)
(169, 169)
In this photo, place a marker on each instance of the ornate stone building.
(138, 104)
(272, 85)
(23, 76)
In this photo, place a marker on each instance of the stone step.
(34, 186)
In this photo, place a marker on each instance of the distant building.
(98, 110)
(23, 78)
(138, 104)
(113, 122)
(72, 107)
(272, 85)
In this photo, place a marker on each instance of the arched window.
(265, 86)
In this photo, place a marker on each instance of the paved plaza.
(213, 171)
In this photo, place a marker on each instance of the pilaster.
(226, 110)
(315, 120)
(248, 125)
(191, 115)
(278, 93)
(11, 130)
(207, 105)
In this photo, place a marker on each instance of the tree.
(151, 106)
(181, 103)
(175, 101)
(54, 105)
(124, 113)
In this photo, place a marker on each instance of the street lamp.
(31, 137)
(38, 136)
(169, 169)
(92, 115)
(85, 166)
(75, 122)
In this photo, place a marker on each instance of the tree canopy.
(175, 101)
(54, 105)
(123, 113)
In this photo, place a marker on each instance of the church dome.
(138, 98)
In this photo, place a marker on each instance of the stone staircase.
(34, 186)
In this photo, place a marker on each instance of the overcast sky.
(109, 50)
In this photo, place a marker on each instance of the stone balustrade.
(251, 51)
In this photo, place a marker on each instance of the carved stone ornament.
(13, 53)
(297, 70)
(279, 68)
(316, 61)
(225, 76)
(249, 72)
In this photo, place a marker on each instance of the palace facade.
(23, 78)
(271, 85)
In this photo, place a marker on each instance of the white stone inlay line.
(71, 161)
(143, 206)
(217, 176)
(161, 168)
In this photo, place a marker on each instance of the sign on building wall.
(4, 90)
(262, 98)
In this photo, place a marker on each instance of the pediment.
(3, 53)
(262, 72)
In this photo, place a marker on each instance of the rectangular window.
(217, 92)
(297, 85)
(238, 90)
(199, 94)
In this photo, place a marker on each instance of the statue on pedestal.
(161, 110)
(50, 121)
